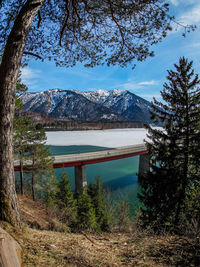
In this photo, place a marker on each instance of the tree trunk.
(21, 178)
(9, 70)
(185, 164)
(32, 186)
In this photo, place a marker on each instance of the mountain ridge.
(99, 105)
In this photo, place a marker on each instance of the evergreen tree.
(25, 136)
(40, 156)
(86, 219)
(175, 150)
(48, 188)
(20, 89)
(22, 129)
(97, 195)
(22, 126)
(64, 194)
(64, 200)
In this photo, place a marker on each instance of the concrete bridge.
(79, 161)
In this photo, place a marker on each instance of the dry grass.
(50, 248)
(42, 248)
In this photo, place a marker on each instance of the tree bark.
(21, 177)
(9, 70)
(32, 186)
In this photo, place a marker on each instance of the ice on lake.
(104, 138)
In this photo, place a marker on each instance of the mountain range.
(99, 105)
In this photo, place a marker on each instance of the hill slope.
(50, 248)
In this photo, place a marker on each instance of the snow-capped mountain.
(99, 105)
(127, 104)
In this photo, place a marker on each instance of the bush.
(122, 216)
(190, 216)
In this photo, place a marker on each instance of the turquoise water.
(118, 176)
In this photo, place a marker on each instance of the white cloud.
(95, 74)
(194, 45)
(187, 14)
(132, 85)
(149, 97)
(191, 16)
(28, 73)
(188, 2)
(29, 77)
(174, 2)
(153, 82)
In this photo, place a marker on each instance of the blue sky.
(145, 80)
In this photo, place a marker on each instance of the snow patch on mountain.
(56, 96)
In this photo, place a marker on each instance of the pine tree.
(20, 89)
(48, 185)
(65, 201)
(22, 129)
(40, 156)
(64, 194)
(97, 195)
(175, 150)
(86, 219)
(29, 140)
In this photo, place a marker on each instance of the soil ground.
(44, 247)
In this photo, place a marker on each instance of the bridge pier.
(144, 165)
(80, 178)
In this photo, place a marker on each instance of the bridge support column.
(144, 165)
(80, 178)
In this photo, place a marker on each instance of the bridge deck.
(93, 157)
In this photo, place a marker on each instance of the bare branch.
(37, 2)
(65, 22)
(32, 54)
(186, 27)
(116, 22)
(39, 19)
(75, 9)
(88, 237)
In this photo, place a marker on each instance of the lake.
(118, 176)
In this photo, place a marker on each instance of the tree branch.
(76, 11)
(32, 54)
(39, 19)
(65, 22)
(186, 27)
(116, 22)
